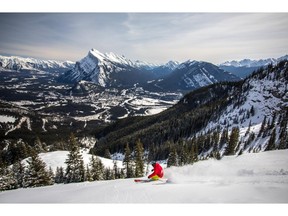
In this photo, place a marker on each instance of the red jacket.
(158, 170)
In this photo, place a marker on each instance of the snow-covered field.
(250, 178)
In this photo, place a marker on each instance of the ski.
(142, 180)
(150, 180)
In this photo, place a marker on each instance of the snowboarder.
(158, 172)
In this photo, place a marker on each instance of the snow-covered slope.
(249, 178)
(18, 63)
(263, 95)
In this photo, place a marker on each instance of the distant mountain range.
(111, 70)
(19, 63)
(253, 63)
(245, 67)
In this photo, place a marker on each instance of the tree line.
(36, 173)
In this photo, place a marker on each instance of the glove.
(152, 170)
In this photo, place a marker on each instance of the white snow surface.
(249, 178)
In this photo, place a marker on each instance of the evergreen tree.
(151, 153)
(88, 176)
(122, 174)
(233, 141)
(107, 154)
(116, 170)
(249, 140)
(97, 169)
(193, 154)
(252, 111)
(217, 155)
(38, 147)
(272, 124)
(248, 129)
(208, 142)
(271, 142)
(139, 159)
(172, 158)
(263, 126)
(75, 171)
(51, 175)
(36, 174)
(19, 172)
(283, 143)
(24, 148)
(60, 145)
(184, 154)
(59, 176)
(108, 174)
(7, 179)
(215, 140)
(196, 149)
(13, 154)
(127, 162)
(224, 138)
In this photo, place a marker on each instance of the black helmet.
(153, 164)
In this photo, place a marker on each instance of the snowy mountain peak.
(121, 59)
(110, 57)
(104, 69)
(172, 64)
(108, 69)
(98, 55)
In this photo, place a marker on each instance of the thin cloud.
(154, 37)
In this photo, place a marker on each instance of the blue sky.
(152, 37)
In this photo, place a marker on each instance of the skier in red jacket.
(157, 172)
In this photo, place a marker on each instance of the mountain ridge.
(108, 70)
(245, 67)
(20, 63)
(253, 63)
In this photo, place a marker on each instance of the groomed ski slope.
(249, 178)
